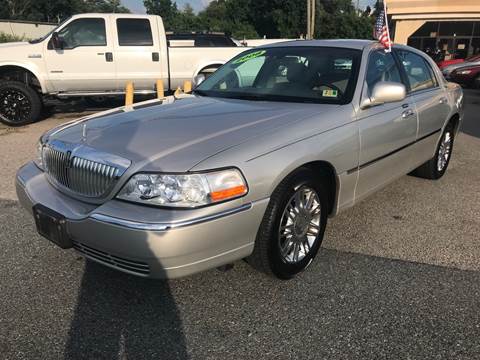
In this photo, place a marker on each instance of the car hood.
(453, 67)
(175, 137)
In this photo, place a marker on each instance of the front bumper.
(147, 241)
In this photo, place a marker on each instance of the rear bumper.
(177, 243)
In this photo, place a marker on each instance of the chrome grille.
(82, 176)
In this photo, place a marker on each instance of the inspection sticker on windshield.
(249, 57)
(330, 93)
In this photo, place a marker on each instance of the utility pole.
(310, 19)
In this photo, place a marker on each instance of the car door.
(137, 52)
(85, 63)
(386, 131)
(430, 97)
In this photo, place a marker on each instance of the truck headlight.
(184, 190)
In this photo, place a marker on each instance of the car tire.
(19, 104)
(436, 167)
(271, 254)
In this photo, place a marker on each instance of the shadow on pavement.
(118, 316)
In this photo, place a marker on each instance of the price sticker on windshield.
(330, 93)
(250, 56)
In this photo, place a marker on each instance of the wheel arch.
(327, 171)
(209, 65)
(455, 120)
(22, 73)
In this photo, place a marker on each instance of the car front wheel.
(293, 226)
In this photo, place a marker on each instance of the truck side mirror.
(57, 41)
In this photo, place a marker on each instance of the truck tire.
(19, 103)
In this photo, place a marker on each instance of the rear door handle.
(108, 56)
(443, 100)
(408, 113)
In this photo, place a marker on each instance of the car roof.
(341, 43)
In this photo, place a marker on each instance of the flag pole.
(386, 25)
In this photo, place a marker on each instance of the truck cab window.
(84, 32)
(134, 32)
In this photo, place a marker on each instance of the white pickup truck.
(91, 55)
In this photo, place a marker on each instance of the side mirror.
(385, 92)
(197, 80)
(57, 41)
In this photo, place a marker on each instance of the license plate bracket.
(52, 226)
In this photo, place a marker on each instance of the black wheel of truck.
(19, 103)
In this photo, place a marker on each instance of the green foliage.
(239, 18)
(10, 38)
(55, 10)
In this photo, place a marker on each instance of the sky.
(136, 6)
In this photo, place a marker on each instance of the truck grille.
(82, 176)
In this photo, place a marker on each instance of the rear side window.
(134, 32)
(419, 73)
(381, 67)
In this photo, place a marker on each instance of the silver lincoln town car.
(250, 165)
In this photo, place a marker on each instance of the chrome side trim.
(167, 226)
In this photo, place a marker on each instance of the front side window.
(419, 74)
(298, 74)
(134, 32)
(381, 67)
(84, 32)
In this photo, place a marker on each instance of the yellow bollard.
(129, 94)
(187, 87)
(178, 92)
(160, 90)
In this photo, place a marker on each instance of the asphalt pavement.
(398, 277)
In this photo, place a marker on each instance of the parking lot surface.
(398, 277)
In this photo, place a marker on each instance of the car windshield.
(290, 73)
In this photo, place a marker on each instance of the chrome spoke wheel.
(299, 225)
(444, 151)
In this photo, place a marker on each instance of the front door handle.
(108, 56)
(443, 100)
(155, 56)
(408, 113)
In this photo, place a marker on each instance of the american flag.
(381, 30)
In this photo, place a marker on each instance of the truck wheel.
(435, 168)
(292, 228)
(19, 103)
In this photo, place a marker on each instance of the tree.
(165, 8)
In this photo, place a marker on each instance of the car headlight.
(184, 190)
(39, 158)
(465, 72)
